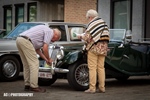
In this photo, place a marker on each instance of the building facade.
(16, 11)
(132, 15)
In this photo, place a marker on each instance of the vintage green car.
(125, 57)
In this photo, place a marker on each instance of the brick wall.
(75, 10)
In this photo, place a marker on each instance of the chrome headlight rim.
(60, 53)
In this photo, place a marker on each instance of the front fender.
(73, 56)
(8, 53)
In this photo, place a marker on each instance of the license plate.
(45, 75)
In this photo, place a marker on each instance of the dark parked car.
(127, 58)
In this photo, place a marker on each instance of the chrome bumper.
(53, 70)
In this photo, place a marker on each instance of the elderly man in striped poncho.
(96, 37)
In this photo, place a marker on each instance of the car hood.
(8, 45)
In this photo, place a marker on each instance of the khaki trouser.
(96, 67)
(30, 61)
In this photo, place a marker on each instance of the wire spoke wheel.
(82, 75)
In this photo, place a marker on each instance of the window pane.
(32, 13)
(8, 20)
(74, 30)
(20, 14)
(63, 31)
(122, 14)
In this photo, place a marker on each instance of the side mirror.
(128, 34)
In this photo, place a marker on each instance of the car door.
(127, 57)
(134, 59)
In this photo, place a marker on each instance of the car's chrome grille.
(53, 54)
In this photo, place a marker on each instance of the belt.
(25, 37)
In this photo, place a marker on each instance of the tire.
(78, 76)
(47, 82)
(9, 68)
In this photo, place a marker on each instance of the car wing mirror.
(121, 45)
(128, 34)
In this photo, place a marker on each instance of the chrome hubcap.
(9, 69)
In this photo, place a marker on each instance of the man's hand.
(46, 58)
(79, 36)
(49, 62)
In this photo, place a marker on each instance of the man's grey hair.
(91, 13)
(58, 32)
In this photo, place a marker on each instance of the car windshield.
(117, 34)
(20, 28)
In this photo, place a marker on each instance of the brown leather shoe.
(27, 88)
(38, 89)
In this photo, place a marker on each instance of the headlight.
(60, 53)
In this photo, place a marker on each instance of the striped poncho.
(98, 30)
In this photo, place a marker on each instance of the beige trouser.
(29, 60)
(96, 66)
